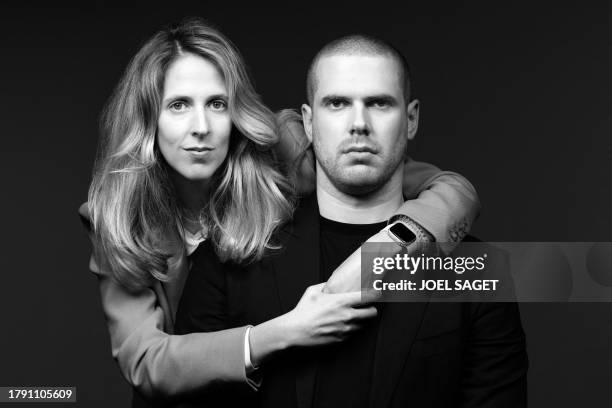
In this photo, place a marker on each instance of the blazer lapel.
(398, 328)
(296, 268)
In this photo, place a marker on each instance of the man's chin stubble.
(355, 187)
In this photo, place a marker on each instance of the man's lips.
(359, 149)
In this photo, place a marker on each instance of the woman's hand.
(321, 318)
(318, 319)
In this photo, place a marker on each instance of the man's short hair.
(359, 44)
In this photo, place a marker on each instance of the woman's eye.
(178, 106)
(218, 105)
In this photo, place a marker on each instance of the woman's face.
(193, 130)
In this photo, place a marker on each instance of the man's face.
(359, 122)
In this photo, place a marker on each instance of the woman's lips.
(199, 152)
(199, 149)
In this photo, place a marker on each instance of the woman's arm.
(158, 364)
(318, 318)
(442, 202)
(445, 206)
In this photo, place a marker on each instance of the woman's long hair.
(136, 215)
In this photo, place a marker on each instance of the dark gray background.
(516, 98)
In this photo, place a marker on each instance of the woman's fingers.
(357, 323)
(318, 288)
(364, 313)
(354, 299)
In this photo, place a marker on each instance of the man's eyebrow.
(390, 99)
(328, 98)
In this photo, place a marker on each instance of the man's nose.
(200, 125)
(361, 121)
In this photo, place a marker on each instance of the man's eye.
(218, 105)
(337, 104)
(381, 104)
(178, 106)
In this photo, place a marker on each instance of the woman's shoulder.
(84, 216)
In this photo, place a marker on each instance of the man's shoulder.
(495, 262)
(306, 209)
(300, 231)
(304, 217)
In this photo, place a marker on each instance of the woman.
(184, 157)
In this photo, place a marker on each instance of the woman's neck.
(193, 196)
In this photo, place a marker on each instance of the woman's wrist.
(268, 338)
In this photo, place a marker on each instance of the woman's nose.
(200, 126)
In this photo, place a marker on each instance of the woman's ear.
(307, 119)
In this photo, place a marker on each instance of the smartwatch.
(401, 234)
(420, 233)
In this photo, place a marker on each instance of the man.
(360, 117)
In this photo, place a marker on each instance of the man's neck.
(371, 208)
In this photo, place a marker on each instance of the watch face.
(402, 232)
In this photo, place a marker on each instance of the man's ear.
(307, 119)
(412, 116)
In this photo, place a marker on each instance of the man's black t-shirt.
(344, 370)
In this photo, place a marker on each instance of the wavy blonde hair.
(132, 202)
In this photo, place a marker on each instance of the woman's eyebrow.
(171, 97)
(221, 95)
(176, 97)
